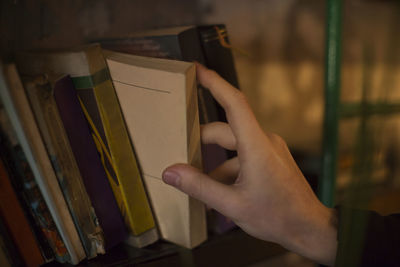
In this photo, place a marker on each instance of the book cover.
(10, 156)
(88, 160)
(179, 43)
(7, 245)
(40, 94)
(12, 152)
(17, 107)
(16, 222)
(89, 72)
(5, 261)
(217, 51)
(158, 98)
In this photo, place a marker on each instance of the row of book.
(85, 135)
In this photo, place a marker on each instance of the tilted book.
(15, 220)
(158, 98)
(179, 43)
(8, 246)
(89, 72)
(17, 107)
(87, 157)
(207, 44)
(12, 152)
(41, 97)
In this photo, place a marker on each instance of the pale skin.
(262, 190)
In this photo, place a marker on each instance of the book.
(16, 222)
(179, 43)
(158, 98)
(207, 44)
(17, 107)
(217, 51)
(89, 162)
(7, 245)
(11, 152)
(89, 72)
(41, 97)
(10, 157)
(5, 261)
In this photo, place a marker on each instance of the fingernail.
(171, 178)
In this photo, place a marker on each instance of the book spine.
(89, 162)
(56, 141)
(16, 221)
(128, 188)
(18, 109)
(12, 152)
(12, 156)
(7, 244)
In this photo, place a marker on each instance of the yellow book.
(88, 69)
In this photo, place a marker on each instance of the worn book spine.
(16, 221)
(40, 93)
(12, 153)
(17, 107)
(10, 156)
(88, 70)
(128, 187)
(89, 161)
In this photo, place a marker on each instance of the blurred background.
(281, 71)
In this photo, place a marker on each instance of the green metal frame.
(332, 96)
(334, 110)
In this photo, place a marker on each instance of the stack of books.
(85, 135)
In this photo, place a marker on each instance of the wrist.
(315, 235)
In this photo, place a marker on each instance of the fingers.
(218, 133)
(227, 172)
(240, 117)
(200, 186)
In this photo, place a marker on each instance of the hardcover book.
(41, 96)
(89, 72)
(16, 221)
(7, 245)
(158, 98)
(12, 153)
(17, 107)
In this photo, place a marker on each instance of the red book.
(16, 222)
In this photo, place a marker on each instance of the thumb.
(193, 182)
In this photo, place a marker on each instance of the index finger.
(238, 112)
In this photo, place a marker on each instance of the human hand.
(262, 190)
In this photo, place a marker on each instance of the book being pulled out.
(158, 98)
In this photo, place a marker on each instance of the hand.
(262, 190)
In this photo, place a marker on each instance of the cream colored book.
(158, 99)
(18, 109)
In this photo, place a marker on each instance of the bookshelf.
(30, 25)
(235, 248)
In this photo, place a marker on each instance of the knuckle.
(238, 100)
(277, 139)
